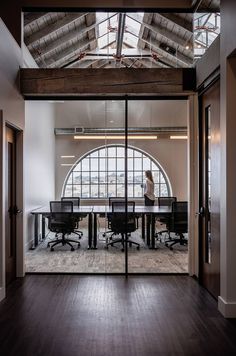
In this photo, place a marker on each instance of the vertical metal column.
(126, 184)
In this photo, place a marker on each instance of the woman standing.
(149, 195)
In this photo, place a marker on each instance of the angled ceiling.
(95, 40)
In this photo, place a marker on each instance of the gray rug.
(82, 260)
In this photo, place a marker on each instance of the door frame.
(20, 269)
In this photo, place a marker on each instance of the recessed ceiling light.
(187, 47)
(67, 156)
(178, 137)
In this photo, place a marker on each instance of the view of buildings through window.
(101, 174)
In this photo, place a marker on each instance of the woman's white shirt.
(149, 189)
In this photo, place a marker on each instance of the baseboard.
(227, 309)
(2, 293)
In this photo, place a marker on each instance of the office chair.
(109, 231)
(119, 225)
(76, 203)
(178, 223)
(164, 201)
(61, 220)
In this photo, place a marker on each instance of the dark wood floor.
(86, 315)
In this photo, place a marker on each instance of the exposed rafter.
(31, 17)
(50, 29)
(120, 34)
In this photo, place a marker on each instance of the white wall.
(39, 154)
(171, 154)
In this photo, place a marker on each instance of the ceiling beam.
(168, 35)
(177, 21)
(50, 29)
(67, 54)
(31, 17)
(80, 31)
(77, 82)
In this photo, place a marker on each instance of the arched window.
(101, 174)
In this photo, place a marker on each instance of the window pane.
(102, 153)
(85, 177)
(102, 177)
(94, 177)
(138, 191)
(111, 190)
(138, 164)
(137, 154)
(76, 178)
(94, 154)
(76, 190)
(77, 167)
(102, 164)
(156, 177)
(111, 177)
(154, 167)
(164, 191)
(111, 152)
(130, 164)
(130, 190)
(157, 194)
(120, 164)
(85, 191)
(69, 180)
(146, 164)
(85, 164)
(130, 177)
(121, 177)
(120, 190)
(130, 152)
(120, 152)
(162, 179)
(94, 191)
(102, 191)
(111, 164)
(138, 177)
(94, 164)
(68, 191)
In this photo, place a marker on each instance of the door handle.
(201, 212)
(13, 210)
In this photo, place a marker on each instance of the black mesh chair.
(164, 201)
(119, 225)
(178, 223)
(108, 215)
(76, 203)
(61, 220)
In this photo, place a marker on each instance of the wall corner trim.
(227, 309)
(2, 293)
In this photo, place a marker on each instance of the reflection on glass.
(208, 183)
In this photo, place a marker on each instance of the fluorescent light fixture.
(67, 156)
(67, 164)
(178, 137)
(113, 137)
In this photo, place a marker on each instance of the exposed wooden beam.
(50, 29)
(168, 35)
(177, 21)
(76, 82)
(179, 58)
(67, 54)
(30, 17)
(80, 31)
(159, 5)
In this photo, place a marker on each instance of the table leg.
(43, 227)
(153, 230)
(148, 222)
(95, 231)
(143, 227)
(36, 230)
(90, 230)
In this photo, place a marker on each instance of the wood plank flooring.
(56, 315)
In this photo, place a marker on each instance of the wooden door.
(11, 210)
(209, 202)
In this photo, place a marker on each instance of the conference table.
(148, 215)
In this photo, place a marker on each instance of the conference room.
(90, 156)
